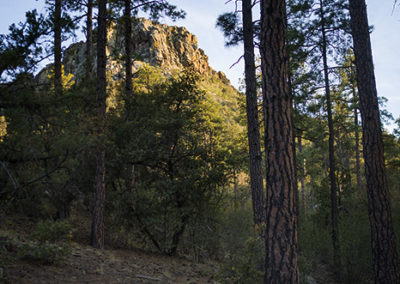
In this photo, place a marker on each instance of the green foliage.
(52, 231)
(52, 243)
(171, 150)
(244, 265)
(20, 48)
(228, 23)
(241, 245)
(44, 174)
(44, 253)
(5, 257)
(356, 243)
(154, 9)
(315, 242)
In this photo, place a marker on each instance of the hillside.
(170, 161)
(169, 49)
(85, 264)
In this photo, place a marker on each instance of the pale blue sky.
(201, 18)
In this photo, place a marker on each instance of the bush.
(244, 265)
(45, 253)
(240, 244)
(5, 257)
(52, 231)
(53, 242)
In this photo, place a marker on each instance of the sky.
(201, 18)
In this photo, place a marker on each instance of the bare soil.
(89, 265)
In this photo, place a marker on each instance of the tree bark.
(332, 166)
(357, 141)
(296, 186)
(128, 49)
(302, 174)
(89, 37)
(57, 49)
(281, 227)
(97, 238)
(253, 128)
(385, 256)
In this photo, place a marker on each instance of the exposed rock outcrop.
(168, 47)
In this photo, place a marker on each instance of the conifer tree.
(97, 234)
(234, 34)
(128, 44)
(385, 256)
(281, 226)
(253, 130)
(89, 37)
(332, 163)
(57, 48)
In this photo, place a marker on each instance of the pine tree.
(281, 231)
(89, 37)
(253, 131)
(97, 234)
(128, 44)
(385, 256)
(57, 48)
(332, 164)
(321, 24)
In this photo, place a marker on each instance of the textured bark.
(357, 142)
(281, 230)
(332, 165)
(253, 129)
(385, 257)
(128, 49)
(57, 48)
(296, 186)
(311, 195)
(302, 174)
(97, 238)
(89, 37)
(358, 159)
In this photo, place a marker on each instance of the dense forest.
(128, 142)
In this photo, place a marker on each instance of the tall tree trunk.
(281, 227)
(385, 256)
(89, 37)
(296, 186)
(235, 191)
(57, 48)
(332, 166)
(311, 195)
(302, 174)
(128, 51)
(97, 238)
(357, 141)
(253, 129)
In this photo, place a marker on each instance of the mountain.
(170, 48)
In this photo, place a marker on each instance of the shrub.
(52, 231)
(244, 265)
(45, 253)
(5, 256)
(53, 242)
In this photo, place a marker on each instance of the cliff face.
(168, 47)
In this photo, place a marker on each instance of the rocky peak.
(168, 47)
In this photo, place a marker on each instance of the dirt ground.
(87, 265)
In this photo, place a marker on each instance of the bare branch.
(237, 61)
